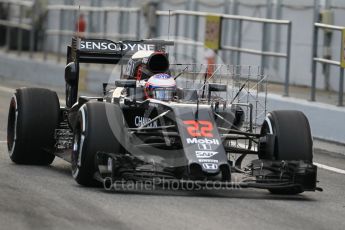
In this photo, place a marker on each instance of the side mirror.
(131, 87)
(71, 73)
(215, 87)
(187, 94)
(126, 83)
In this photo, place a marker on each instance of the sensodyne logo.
(109, 46)
(205, 154)
(139, 121)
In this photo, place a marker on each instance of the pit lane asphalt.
(33, 197)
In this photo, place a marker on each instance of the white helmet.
(161, 87)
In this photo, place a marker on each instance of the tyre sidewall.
(93, 123)
(37, 118)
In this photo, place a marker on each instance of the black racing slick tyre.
(32, 119)
(292, 135)
(94, 132)
(292, 141)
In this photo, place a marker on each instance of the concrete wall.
(49, 73)
(327, 122)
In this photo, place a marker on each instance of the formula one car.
(146, 127)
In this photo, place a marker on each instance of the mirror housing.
(215, 87)
(126, 83)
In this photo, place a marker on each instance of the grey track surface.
(33, 197)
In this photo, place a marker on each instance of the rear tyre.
(32, 119)
(291, 141)
(94, 133)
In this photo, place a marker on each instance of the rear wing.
(108, 52)
(104, 52)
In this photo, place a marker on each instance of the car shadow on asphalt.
(242, 193)
(60, 166)
(63, 168)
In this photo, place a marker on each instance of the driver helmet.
(161, 86)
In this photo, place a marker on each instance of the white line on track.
(3, 141)
(329, 168)
(6, 89)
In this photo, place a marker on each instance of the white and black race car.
(146, 128)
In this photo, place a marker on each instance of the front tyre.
(291, 140)
(93, 133)
(32, 119)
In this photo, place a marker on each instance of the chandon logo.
(199, 128)
(139, 121)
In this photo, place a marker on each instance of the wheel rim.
(75, 153)
(267, 127)
(12, 126)
(78, 142)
